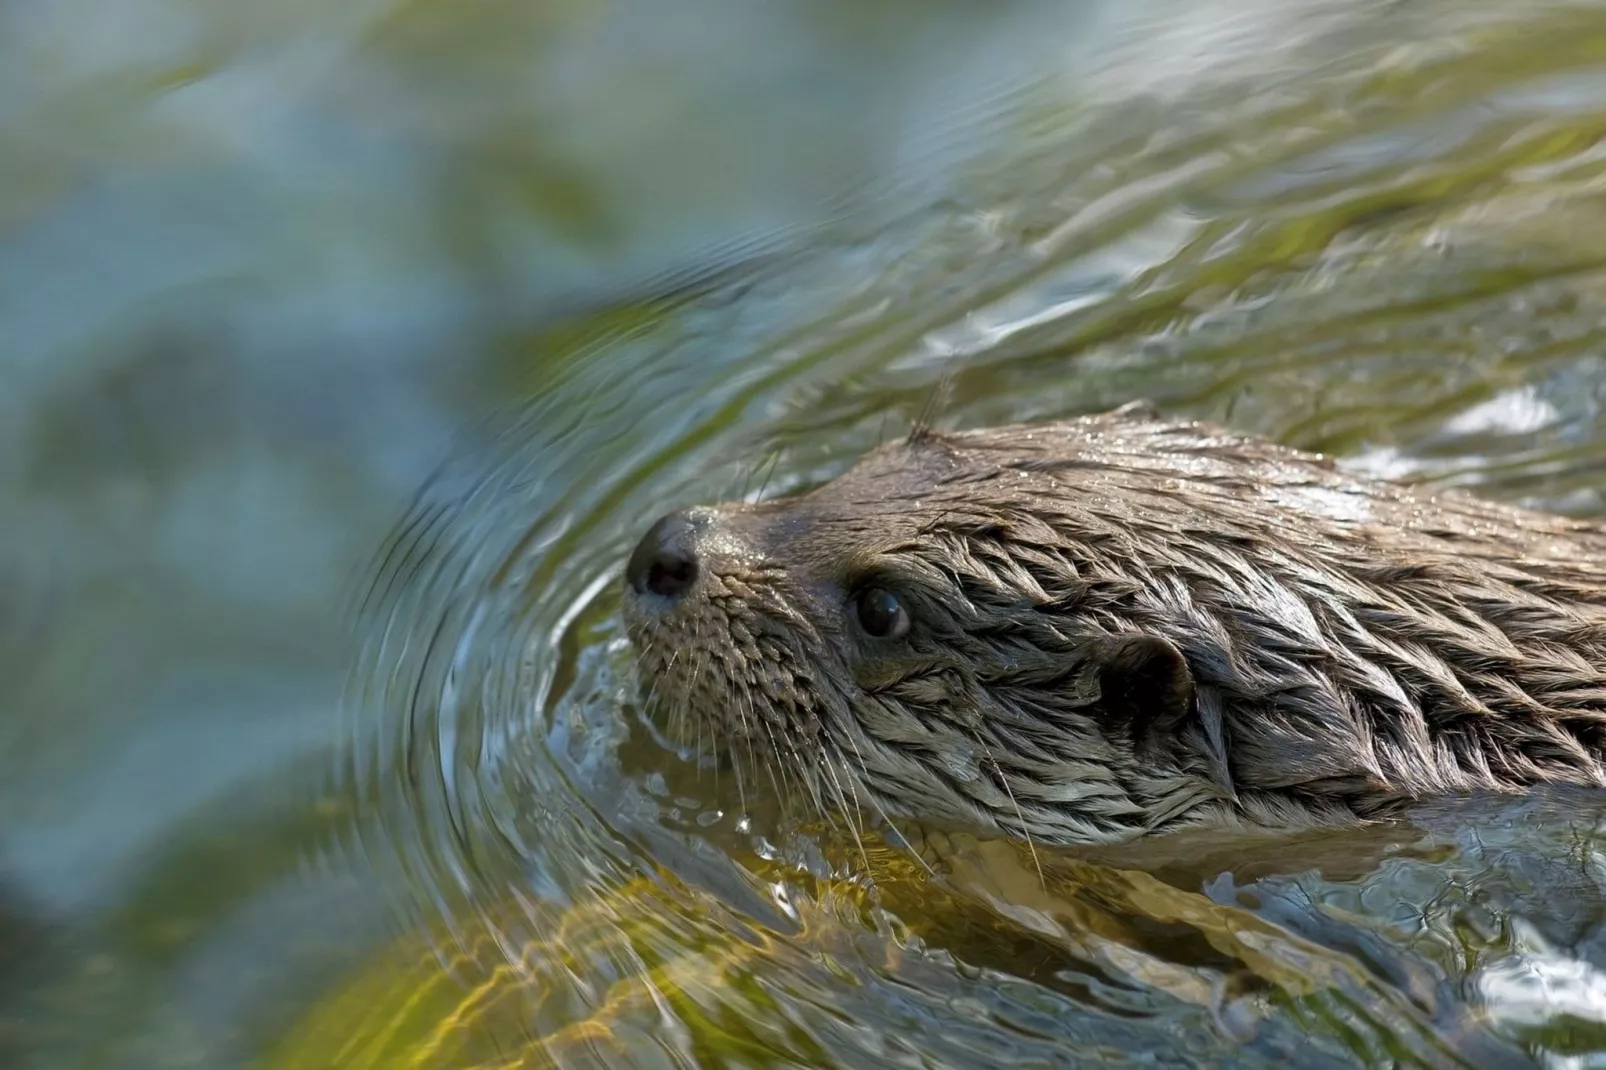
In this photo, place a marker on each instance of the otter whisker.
(922, 428)
(697, 668)
(775, 747)
(810, 782)
(805, 772)
(748, 470)
(847, 808)
(744, 479)
(1026, 829)
(769, 766)
(803, 789)
(676, 718)
(704, 753)
(650, 652)
(736, 754)
(675, 729)
(752, 742)
(741, 785)
(775, 460)
(875, 800)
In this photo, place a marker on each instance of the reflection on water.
(262, 268)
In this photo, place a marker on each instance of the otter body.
(1089, 631)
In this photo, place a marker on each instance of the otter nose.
(665, 560)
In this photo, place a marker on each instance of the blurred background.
(270, 272)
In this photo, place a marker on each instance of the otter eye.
(881, 615)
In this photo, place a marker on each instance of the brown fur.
(1123, 625)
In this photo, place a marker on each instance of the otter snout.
(666, 562)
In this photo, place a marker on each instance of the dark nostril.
(665, 561)
(670, 574)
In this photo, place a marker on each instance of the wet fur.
(1124, 625)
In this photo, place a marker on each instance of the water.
(304, 766)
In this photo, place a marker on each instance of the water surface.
(348, 348)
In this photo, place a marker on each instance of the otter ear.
(1146, 688)
(1147, 692)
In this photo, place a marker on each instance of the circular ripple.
(1407, 303)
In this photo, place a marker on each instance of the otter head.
(943, 632)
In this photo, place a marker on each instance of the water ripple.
(1360, 262)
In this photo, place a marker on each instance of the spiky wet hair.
(1119, 625)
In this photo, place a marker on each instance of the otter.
(1094, 630)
